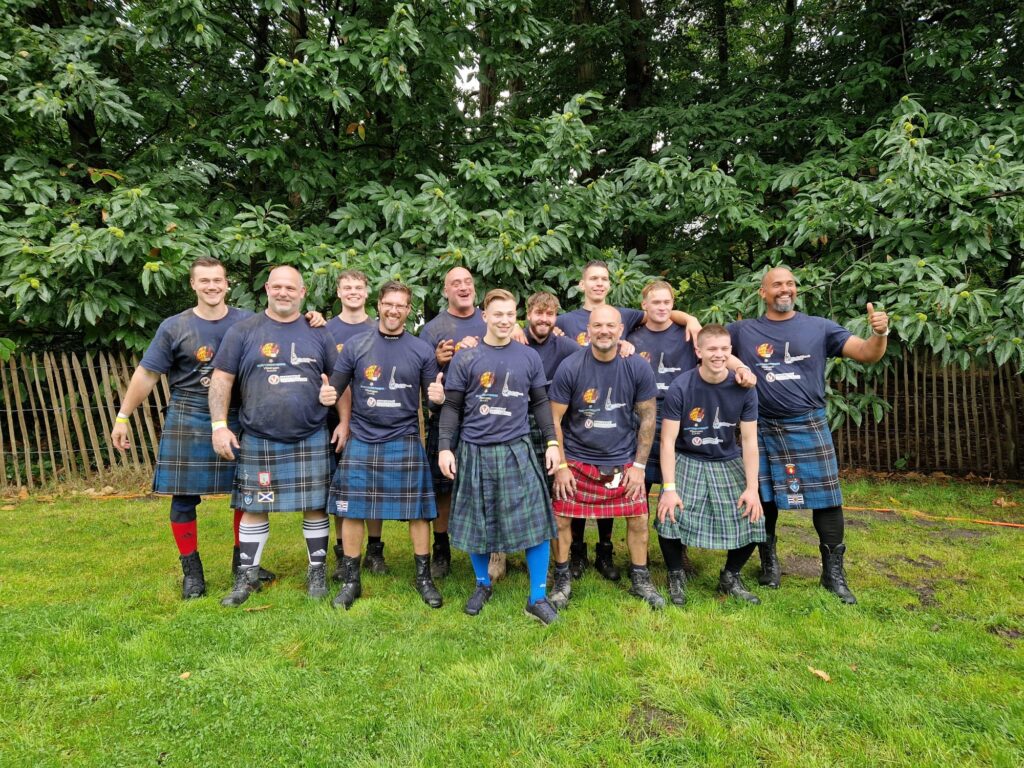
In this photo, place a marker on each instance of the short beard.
(783, 306)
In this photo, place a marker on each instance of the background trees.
(874, 146)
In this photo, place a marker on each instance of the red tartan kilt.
(593, 499)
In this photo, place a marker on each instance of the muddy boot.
(338, 574)
(771, 568)
(425, 584)
(497, 566)
(247, 581)
(677, 587)
(194, 582)
(561, 590)
(578, 561)
(688, 566)
(731, 584)
(441, 561)
(316, 581)
(351, 586)
(236, 562)
(373, 562)
(833, 575)
(604, 562)
(641, 587)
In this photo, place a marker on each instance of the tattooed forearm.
(647, 411)
(220, 395)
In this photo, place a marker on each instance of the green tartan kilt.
(709, 491)
(500, 500)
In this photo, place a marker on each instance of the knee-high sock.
(251, 540)
(316, 533)
(771, 516)
(183, 523)
(829, 524)
(578, 526)
(604, 529)
(672, 551)
(737, 558)
(480, 561)
(537, 558)
(238, 522)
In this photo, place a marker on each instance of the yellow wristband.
(563, 465)
(552, 443)
(668, 486)
(121, 419)
(219, 425)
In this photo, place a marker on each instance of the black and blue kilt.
(709, 491)
(798, 467)
(186, 463)
(383, 481)
(282, 477)
(500, 500)
(442, 485)
(540, 445)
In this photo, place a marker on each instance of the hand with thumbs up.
(435, 392)
(328, 394)
(879, 321)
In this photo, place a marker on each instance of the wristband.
(876, 333)
(668, 487)
(563, 465)
(121, 419)
(219, 425)
(742, 367)
(552, 443)
(638, 465)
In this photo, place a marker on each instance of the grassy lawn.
(102, 664)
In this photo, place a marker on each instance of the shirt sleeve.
(646, 384)
(228, 357)
(749, 412)
(160, 353)
(836, 337)
(631, 318)
(672, 406)
(560, 390)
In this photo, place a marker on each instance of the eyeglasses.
(395, 307)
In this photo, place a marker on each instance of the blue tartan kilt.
(186, 463)
(500, 500)
(383, 481)
(442, 485)
(709, 491)
(798, 466)
(282, 477)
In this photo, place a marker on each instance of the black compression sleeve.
(451, 411)
(340, 380)
(540, 406)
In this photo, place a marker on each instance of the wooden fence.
(58, 409)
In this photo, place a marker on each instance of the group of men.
(529, 432)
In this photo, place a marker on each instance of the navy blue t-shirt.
(497, 383)
(553, 350)
(574, 324)
(184, 346)
(387, 374)
(709, 415)
(599, 426)
(277, 368)
(342, 332)
(788, 358)
(668, 352)
(448, 327)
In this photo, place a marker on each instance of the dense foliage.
(874, 146)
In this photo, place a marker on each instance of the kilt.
(442, 484)
(383, 481)
(798, 467)
(500, 500)
(710, 520)
(538, 442)
(186, 463)
(593, 499)
(282, 477)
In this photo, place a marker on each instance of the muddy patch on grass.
(953, 534)
(1007, 633)
(852, 522)
(798, 565)
(923, 561)
(924, 590)
(647, 721)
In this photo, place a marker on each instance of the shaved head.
(280, 272)
(605, 313)
(774, 274)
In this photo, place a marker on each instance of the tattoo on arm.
(220, 395)
(647, 411)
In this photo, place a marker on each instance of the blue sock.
(480, 563)
(537, 558)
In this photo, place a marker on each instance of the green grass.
(927, 670)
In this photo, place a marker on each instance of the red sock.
(238, 522)
(186, 536)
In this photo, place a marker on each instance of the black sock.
(672, 551)
(604, 529)
(376, 539)
(829, 524)
(737, 558)
(440, 539)
(578, 526)
(771, 516)
(562, 567)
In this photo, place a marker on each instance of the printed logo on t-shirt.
(793, 358)
(583, 339)
(297, 360)
(662, 369)
(274, 379)
(270, 349)
(205, 381)
(765, 350)
(609, 405)
(339, 347)
(590, 396)
(505, 391)
(646, 355)
(487, 379)
(697, 414)
(371, 372)
(204, 354)
(718, 424)
(393, 384)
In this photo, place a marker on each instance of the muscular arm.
(564, 486)
(865, 350)
(142, 383)
(220, 394)
(749, 500)
(667, 455)
(647, 411)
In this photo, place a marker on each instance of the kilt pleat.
(383, 481)
(594, 499)
(186, 462)
(442, 484)
(282, 477)
(798, 466)
(500, 499)
(709, 491)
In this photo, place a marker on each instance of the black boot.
(339, 553)
(236, 562)
(374, 559)
(833, 575)
(247, 581)
(771, 568)
(688, 566)
(561, 590)
(604, 563)
(425, 584)
(316, 581)
(441, 560)
(351, 586)
(194, 583)
(578, 560)
(677, 587)
(731, 584)
(642, 587)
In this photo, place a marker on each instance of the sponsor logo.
(718, 424)
(582, 339)
(646, 356)
(506, 391)
(795, 500)
(765, 350)
(371, 401)
(697, 440)
(609, 405)
(590, 396)
(371, 372)
(297, 360)
(204, 354)
(263, 478)
(588, 424)
(697, 414)
(270, 349)
(247, 498)
(264, 497)
(319, 553)
(789, 376)
(392, 384)
(205, 381)
(487, 379)
(485, 409)
(662, 369)
(341, 506)
(274, 379)
(793, 358)
(244, 556)
(339, 347)
(791, 469)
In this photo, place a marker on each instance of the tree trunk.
(785, 62)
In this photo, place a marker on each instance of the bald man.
(283, 461)
(786, 351)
